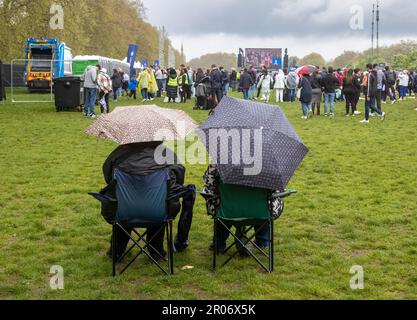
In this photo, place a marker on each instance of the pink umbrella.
(306, 70)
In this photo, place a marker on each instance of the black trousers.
(106, 100)
(157, 234)
(350, 102)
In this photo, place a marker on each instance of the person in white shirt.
(279, 86)
(403, 80)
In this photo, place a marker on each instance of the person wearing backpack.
(105, 85)
(306, 95)
(390, 85)
(264, 85)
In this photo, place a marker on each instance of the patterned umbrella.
(306, 70)
(126, 125)
(270, 149)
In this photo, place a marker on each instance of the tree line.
(91, 27)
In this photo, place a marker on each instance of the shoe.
(372, 114)
(180, 247)
(304, 117)
(393, 102)
(331, 115)
(383, 116)
(326, 114)
(357, 112)
(384, 102)
(364, 121)
(347, 115)
(144, 100)
(415, 109)
(92, 116)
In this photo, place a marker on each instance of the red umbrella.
(306, 70)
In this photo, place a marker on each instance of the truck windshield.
(41, 60)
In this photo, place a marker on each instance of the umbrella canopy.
(127, 125)
(276, 149)
(306, 70)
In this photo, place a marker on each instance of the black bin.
(69, 93)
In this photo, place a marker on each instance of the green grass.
(356, 206)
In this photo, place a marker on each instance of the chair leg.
(170, 249)
(214, 244)
(113, 250)
(271, 246)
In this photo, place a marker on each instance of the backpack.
(390, 78)
(272, 85)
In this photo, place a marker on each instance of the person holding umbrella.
(139, 152)
(306, 95)
(276, 148)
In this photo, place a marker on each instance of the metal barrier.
(33, 87)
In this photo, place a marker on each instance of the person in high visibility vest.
(183, 83)
(172, 85)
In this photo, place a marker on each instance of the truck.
(46, 60)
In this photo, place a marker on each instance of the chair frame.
(167, 225)
(269, 268)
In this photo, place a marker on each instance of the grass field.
(356, 205)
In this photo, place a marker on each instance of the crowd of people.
(313, 88)
(326, 86)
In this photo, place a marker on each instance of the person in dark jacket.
(317, 92)
(216, 83)
(246, 83)
(329, 84)
(306, 95)
(139, 159)
(350, 92)
(116, 79)
(372, 94)
(233, 80)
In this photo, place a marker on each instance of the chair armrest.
(284, 194)
(101, 197)
(206, 195)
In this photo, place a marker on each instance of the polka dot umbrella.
(253, 144)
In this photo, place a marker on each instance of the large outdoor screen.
(257, 57)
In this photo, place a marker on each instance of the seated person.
(211, 183)
(139, 159)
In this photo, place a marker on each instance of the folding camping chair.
(246, 208)
(141, 203)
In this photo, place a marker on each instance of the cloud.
(313, 22)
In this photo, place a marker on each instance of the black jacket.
(139, 159)
(306, 90)
(329, 83)
(246, 81)
(372, 84)
(216, 79)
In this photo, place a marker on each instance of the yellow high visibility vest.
(172, 82)
(181, 77)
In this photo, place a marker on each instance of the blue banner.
(131, 57)
(156, 63)
(144, 63)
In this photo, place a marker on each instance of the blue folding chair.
(141, 203)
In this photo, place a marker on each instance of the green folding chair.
(246, 208)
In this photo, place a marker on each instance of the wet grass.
(356, 206)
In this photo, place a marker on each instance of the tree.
(90, 27)
(314, 59)
(226, 60)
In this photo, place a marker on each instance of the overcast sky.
(302, 26)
